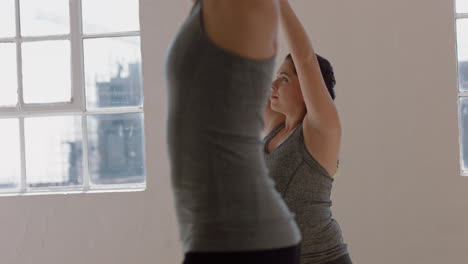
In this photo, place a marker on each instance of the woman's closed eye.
(282, 77)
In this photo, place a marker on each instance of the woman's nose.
(274, 85)
(273, 89)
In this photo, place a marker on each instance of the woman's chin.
(274, 107)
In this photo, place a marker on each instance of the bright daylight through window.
(462, 54)
(71, 98)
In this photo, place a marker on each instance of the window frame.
(76, 107)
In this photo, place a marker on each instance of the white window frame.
(76, 107)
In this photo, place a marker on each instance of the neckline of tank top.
(273, 133)
(276, 130)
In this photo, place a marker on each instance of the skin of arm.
(322, 115)
(321, 124)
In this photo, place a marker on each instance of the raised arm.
(322, 115)
(245, 27)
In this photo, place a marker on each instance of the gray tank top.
(306, 187)
(224, 199)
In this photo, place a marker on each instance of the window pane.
(464, 131)
(113, 72)
(10, 165)
(8, 79)
(46, 72)
(119, 15)
(44, 17)
(7, 18)
(53, 151)
(462, 6)
(462, 40)
(116, 149)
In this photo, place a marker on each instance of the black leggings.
(342, 260)
(289, 255)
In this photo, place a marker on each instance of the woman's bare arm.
(322, 115)
(321, 125)
(245, 27)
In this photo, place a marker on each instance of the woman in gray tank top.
(302, 142)
(219, 69)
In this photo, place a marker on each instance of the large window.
(462, 53)
(71, 101)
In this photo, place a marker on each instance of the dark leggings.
(289, 255)
(342, 260)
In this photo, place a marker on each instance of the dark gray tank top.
(306, 187)
(224, 199)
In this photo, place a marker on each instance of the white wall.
(399, 198)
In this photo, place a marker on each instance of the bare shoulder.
(245, 27)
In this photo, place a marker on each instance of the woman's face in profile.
(285, 90)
